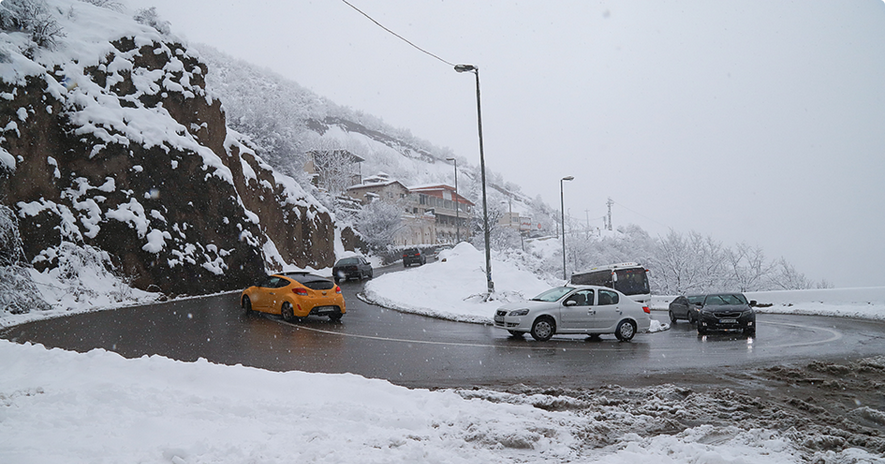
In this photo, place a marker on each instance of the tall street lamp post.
(482, 167)
(562, 206)
(457, 204)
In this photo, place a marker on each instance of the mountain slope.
(110, 140)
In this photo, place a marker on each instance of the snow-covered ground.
(59, 406)
(449, 288)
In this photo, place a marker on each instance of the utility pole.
(609, 203)
(587, 212)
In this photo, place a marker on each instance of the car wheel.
(335, 317)
(692, 319)
(701, 329)
(287, 312)
(750, 332)
(672, 317)
(625, 331)
(372, 274)
(543, 329)
(247, 305)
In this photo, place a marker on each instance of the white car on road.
(575, 309)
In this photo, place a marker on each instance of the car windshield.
(348, 262)
(727, 300)
(554, 294)
(694, 299)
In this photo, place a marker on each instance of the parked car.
(354, 267)
(413, 256)
(578, 309)
(726, 312)
(294, 295)
(685, 307)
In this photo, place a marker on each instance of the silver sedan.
(577, 309)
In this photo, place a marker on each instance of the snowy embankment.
(100, 407)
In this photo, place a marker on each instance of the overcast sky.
(749, 121)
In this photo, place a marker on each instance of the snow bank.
(454, 285)
(61, 406)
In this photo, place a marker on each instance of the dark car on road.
(354, 267)
(413, 256)
(728, 312)
(685, 307)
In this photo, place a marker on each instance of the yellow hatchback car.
(294, 295)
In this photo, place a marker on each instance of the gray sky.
(750, 121)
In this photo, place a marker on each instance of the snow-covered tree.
(747, 269)
(378, 224)
(18, 293)
(32, 17)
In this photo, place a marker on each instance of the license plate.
(499, 318)
(326, 309)
(728, 321)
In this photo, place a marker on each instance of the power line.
(640, 214)
(395, 34)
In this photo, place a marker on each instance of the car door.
(279, 285)
(607, 310)
(261, 297)
(680, 307)
(577, 311)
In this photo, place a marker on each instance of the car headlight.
(519, 312)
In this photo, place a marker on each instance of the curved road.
(418, 351)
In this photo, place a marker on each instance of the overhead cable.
(395, 34)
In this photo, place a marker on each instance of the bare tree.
(747, 267)
(378, 224)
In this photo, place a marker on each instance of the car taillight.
(300, 291)
(337, 289)
(645, 308)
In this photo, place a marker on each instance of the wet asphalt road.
(418, 351)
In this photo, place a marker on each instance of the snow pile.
(100, 407)
(453, 287)
(864, 303)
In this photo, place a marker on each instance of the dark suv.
(413, 256)
(726, 312)
(354, 267)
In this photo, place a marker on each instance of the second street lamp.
(562, 205)
(482, 168)
(457, 204)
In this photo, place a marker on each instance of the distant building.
(378, 187)
(429, 212)
(516, 221)
(451, 210)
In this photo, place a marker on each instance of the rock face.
(126, 152)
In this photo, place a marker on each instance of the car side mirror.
(570, 303)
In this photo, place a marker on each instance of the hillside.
(112, 148)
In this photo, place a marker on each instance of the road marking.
(835, 335)
(533, 345)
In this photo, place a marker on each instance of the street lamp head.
(465, 68)
(451, 159)
(568, 178)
